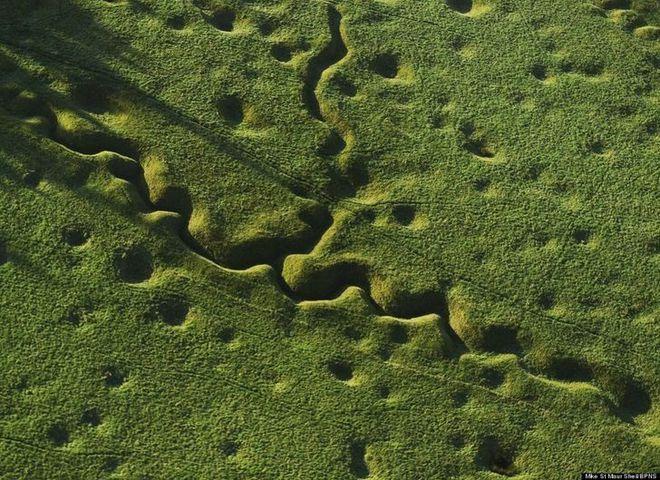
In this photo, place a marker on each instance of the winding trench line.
(237, 148)
(346, 204)
(331, 54)
(137, 179)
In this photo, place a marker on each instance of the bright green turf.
(385, 239)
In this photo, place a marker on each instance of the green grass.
(384, 239)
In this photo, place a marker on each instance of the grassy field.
(329, 239)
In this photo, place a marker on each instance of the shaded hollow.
(133, 264)
(461, 6)
(495, 457)
(231, 109)
(58, 434)
(404, 214)
(569, 369)
(386, 65)
(358, 465)
(341, 370)
(633, 400)
(500, 339)
(171, 309)
(223, 19)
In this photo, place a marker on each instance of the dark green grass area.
(383, 239)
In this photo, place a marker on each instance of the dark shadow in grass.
(176, 22)
(569, 369)
(497, 458)
(226, 335)
(229, 448)
(133, 264)
(539, 72)
(461, 6)
(113, 376)
(58, 434)
(633, 400)
(501, 339)
(281, 52)
(358, 465)
(386, 65)
(341, 370)
(345, 86)
(404, 214)
(67, 25)
(91, 417)
(170, 309)
(74, 235)
(222, 19)
(231, 109)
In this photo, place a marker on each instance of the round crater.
(481, 184)
(546, 301)
(176, 22)
(581, 236)
(223, 19)
(226, 335)
(403, 214)
(113, 376)
(493, 455)
(32, 178)
(345, 86)
(386, 65)
(597, 147)
(384, 353)
(58, 435)
(133, 264)
(230, 109)
(111, 464)
(340, 370)
(539, 72)
(229, 448)
(632, 400)
(267, 27)
(460, 6)
(281, 52)
(91, 417)
(76, 316)
(171, 310)
(74, 235)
